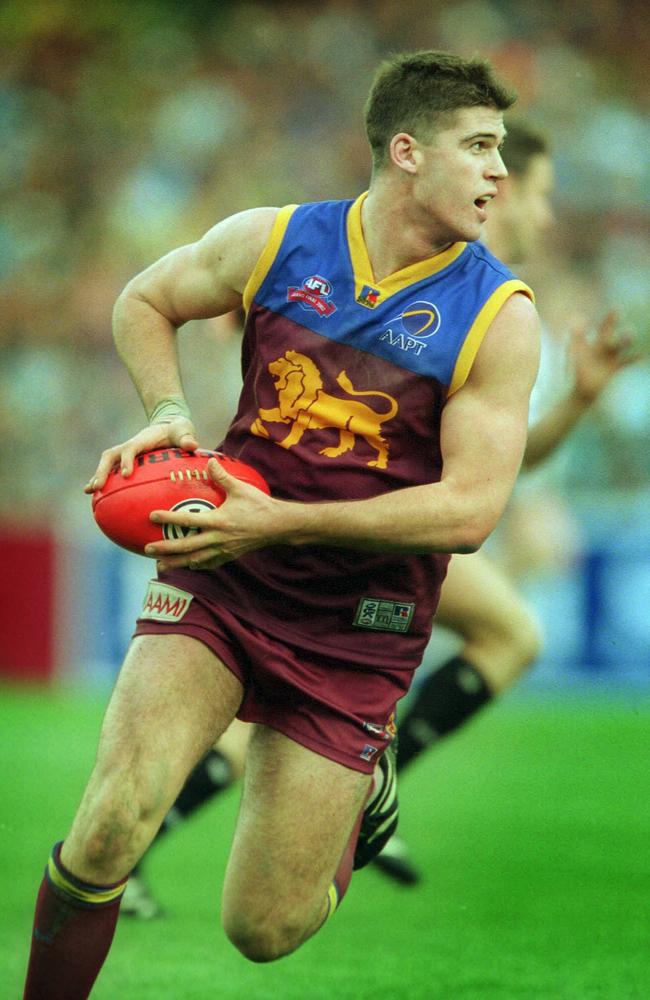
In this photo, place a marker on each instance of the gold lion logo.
(303, 403)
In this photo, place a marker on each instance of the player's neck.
(393, 239)
(495, 239)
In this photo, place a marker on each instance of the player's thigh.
(477, 597)
(233, 745)
(297, 813)
(172, 700)
(173, 697)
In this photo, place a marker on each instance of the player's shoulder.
(253, 225)
(481, 257)
(232, 246)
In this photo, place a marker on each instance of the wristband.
(168, 409)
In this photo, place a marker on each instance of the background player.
(501, 637)
(366, 570)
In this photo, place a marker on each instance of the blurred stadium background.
(129, 128)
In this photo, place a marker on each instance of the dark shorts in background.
(321, 702)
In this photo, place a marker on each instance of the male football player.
(388, 361)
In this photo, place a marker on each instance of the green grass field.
(532, 827)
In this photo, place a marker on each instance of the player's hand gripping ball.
(166, 479)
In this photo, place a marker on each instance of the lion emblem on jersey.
(305, 405)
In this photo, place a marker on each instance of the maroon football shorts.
(323, 703)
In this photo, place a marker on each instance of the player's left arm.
(594, 360)
(483, 436)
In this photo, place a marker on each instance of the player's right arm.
(197, 281)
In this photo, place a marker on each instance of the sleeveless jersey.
(344, 382)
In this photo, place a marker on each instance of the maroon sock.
(73, 930)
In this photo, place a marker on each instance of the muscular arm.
(198, 281)
(484, 428)
(483, 437)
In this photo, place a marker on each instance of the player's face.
(525, 207)
(458, 172)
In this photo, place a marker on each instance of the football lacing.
(181, 474)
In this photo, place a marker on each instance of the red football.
(166, 479)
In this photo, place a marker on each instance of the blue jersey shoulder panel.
(422, 326)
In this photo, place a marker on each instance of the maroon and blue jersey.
(344, 383)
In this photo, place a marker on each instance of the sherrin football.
(165, 479)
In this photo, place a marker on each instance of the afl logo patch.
(314, 294)
(171, 532)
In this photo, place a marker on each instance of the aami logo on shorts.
(164, 603)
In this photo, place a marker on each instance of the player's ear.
(405, 152)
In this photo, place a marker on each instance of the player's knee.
(528, 640)
(508, 648)
(115, 829)
(262, 940)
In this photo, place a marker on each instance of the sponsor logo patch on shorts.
(164, 603)
(385, 616)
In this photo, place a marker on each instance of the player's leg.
(295, 838)
(217, 771)
(172, 700)
(501, 638)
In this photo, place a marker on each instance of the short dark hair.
(522, 143)
(412, 91)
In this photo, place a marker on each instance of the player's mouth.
(481, 204)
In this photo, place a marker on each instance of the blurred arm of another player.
(594, 361)
(198, 281)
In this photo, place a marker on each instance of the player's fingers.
(624, 351)
(108, 459)
(183, 546)
(188, 442)
(127, 458)
(578, 333)
(154, 436)
(201, 520)
(607, 327)
(203, 559)
(219, 475)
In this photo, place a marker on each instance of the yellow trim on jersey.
(479, 328)
(97, 896)
(332, 899)
(362, 268)
(268, 254)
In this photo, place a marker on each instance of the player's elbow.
(466, 543)
(139, 303)
(470, 534)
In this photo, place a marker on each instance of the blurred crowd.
(128, 128)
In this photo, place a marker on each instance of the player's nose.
(496, 166)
